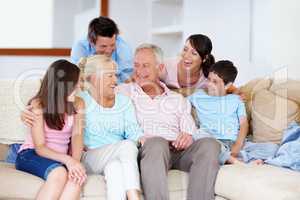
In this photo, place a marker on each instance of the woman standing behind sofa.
(190, 70)
(57, 120)
(111, 130)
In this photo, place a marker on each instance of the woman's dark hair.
(58, 83)
(202, 44)
(102, 26)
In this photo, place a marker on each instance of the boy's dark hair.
(225, 70)
(102, 26)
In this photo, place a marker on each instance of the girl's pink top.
(57, 140)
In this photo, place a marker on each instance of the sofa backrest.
(14, 97)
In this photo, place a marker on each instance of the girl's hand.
(77, 172)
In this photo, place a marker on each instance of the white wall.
(23, 25)
(58, 24)
(226, 23)
(132, 17)
(286, 32)
(14, 66)
(86, 11)
(45, 24)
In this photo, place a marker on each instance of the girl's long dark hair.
(58, 83)
(203, 45)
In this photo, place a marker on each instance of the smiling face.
(105, 45)
(215, 85)
(190, 59)
(146, 67)
(105, 80)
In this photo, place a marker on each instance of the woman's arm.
(234, 90)
(133, 130)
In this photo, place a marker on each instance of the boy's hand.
(183, 141)
(27, 116)
(235, 148)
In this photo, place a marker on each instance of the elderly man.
(165, 117)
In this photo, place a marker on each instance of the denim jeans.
(28, 161)
(225, 150)
(12, 153)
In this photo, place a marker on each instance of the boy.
(221, 115)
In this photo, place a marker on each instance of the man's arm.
(187, 126)
(78, 51)
(133, 130)
(124, 58)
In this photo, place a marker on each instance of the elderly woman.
(111, 129)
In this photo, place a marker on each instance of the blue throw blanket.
(287, 154)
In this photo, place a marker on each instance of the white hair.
(158, 52)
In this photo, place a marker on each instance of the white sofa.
(234, 182)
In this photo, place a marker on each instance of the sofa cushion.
(270, 116)
(24, 185)
(248, 182)
(14, 97)
(95, 185)
(17, 184)
(288, 89)
(254, 86)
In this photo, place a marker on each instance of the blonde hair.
(92, 65)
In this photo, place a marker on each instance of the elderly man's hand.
(183, 141)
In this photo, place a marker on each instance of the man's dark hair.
(225, 70)
(102, 26)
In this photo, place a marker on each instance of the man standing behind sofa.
(168, 126)
(103, 38)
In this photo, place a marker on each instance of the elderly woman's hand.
(27, 116)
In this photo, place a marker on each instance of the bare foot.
(257, 162)
(133, 195)
(234, 160)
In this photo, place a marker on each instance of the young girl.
(58, 120)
